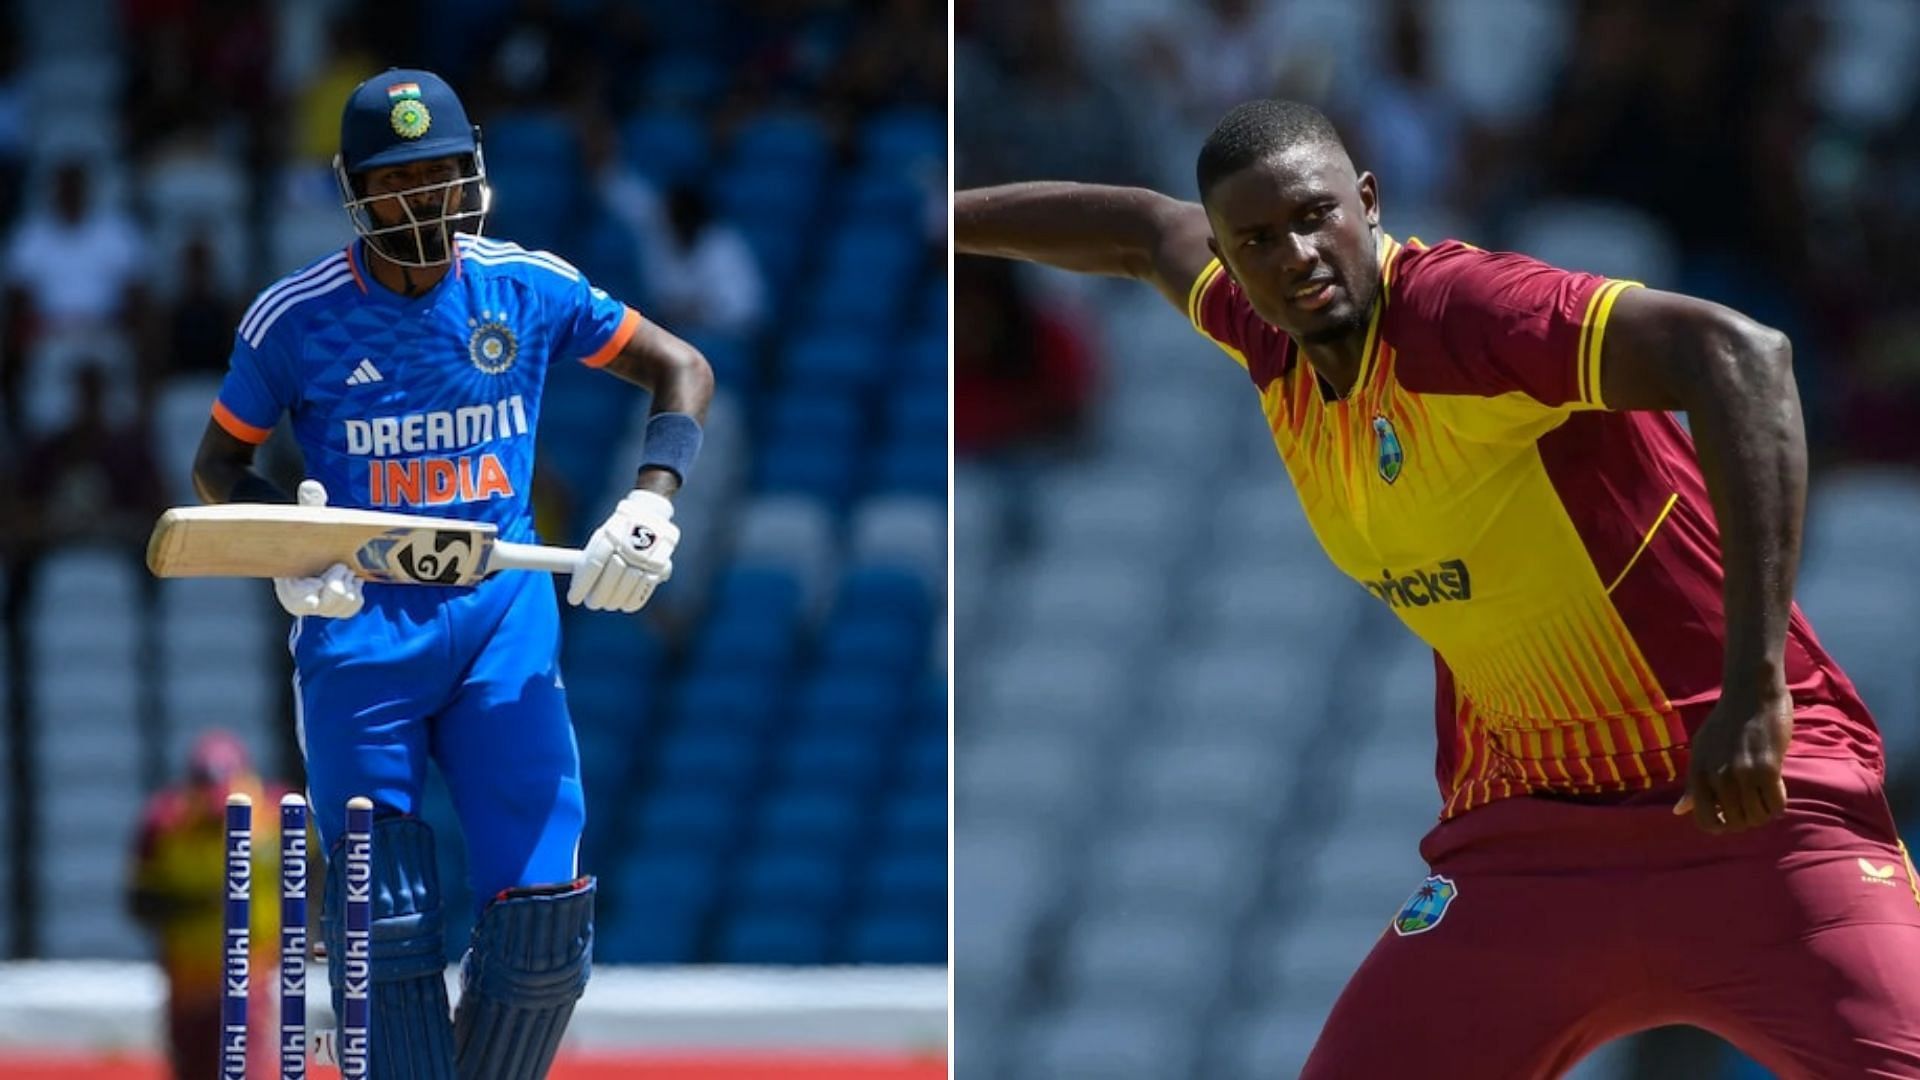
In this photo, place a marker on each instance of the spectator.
(175, 894)
(92, 480)
(201, 318)
(702, 275)
(1023, 375)
(70, 271)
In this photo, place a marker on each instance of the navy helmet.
(399, 116)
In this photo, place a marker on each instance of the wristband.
(673, 441)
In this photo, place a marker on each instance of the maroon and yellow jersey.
(1561, 560)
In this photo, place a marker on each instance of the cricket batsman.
(1661, 800)
(411, 365)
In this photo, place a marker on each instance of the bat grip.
(511, 556)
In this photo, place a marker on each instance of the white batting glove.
(335, 594)
(628, 557)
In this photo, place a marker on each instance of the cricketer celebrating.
(1484, 442)
(411, 364)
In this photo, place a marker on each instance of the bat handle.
(554, 560)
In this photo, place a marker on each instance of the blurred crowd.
(1761, 154)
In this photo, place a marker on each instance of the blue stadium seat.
(772, 938)
(844, 359)
(601, 641)
(883, 197)
(689, 817)
(917, 409)
(917, 819)
(842, 760)
(931, 706)
(758, 591)
(910, 880)
(667, 147)
(725, 761)
(778, 880)
(875, 250)
(881, 644)
(721, 702)
(852, 701)
(655, 935)
(884, 591)
(663, 898)
(916, 464)
(820, 819)
(854, 299)
(798, 466)
(820, 413)
(778, 247)
(899, 938)
(933, 308)
(926, 763)
(685, 80)
(744, 642)
(904, 137)
(610, 703)
(780, 140)
(754, 192)
(926, 357)
(532, 141)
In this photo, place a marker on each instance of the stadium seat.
(850, 700)
(791, 533)
(913, 880)
(916, 819)
(533, 140)
(742, 641)
(782, 879)
(724, 702)
(1133, 957)
(907, 937)
(813, 818)
(882, 196)
(822, 471)
(925, 768)
(902, 530)
(883, 591)
(1267, 1042)
(1093, 1041)
(722, 760)
(668, 147)
(776, 140)
(879, 644)
(687, 817)
(841, 359)
(844, 761)
(815, 414)
(913, 464)
(769, 938)
(904, 137)
(753, 191)
(875, 251)
(751, 588)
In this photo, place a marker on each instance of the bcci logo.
(1390, 455)
(409, 115)
(492, 346)
(1426, 907)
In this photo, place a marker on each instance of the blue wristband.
(673, 441)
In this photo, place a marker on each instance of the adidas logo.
(364, 374)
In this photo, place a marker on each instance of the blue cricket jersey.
(424, 405)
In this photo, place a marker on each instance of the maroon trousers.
(1571, 924)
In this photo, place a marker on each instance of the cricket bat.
(264, 541)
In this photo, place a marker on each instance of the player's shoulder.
(504, 257)
(317, 282)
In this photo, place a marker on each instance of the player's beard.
(1337, 330)
(426, 243)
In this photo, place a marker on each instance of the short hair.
(1258, 130)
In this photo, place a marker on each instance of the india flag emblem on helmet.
(410, 117)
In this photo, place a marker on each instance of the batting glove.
(628, 557)
(335, 594)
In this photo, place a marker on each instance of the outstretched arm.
(1090, 229)
(1734, 379)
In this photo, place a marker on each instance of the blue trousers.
(466, 677)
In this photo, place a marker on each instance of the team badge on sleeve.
(1426, 907)
(1390, 454)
